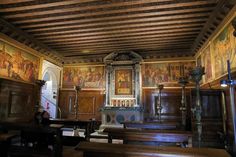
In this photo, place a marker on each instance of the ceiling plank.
(148, 34)
(3, 2)
(76, 24)
(70, 23)
(103, 12)
(167, 39)
(40, 6)
(129, 25)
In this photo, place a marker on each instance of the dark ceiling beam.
(130, 37)
(96, 20)
(144, 40)
(159, 40)
(127, 29)
(5, 2)
(36, 5)
(134, 44)
(107, 36)
(131, 22)
(20, 19)
(130, 46)
(75, 24)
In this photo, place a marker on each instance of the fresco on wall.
(224, 47)
(155, 73)
(123, 82)
(18, 64)
(199, 62)
(86, 77)
(207, 63)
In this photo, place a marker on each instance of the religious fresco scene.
(86, 77)
(123, 80)
(18, 64)
(224, 47)
(155, 73)
(207, 63)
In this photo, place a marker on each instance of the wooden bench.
(22, 151)
(91, 149)
(5, 140)
(157, 136)
(83, 124)
(53, 130)
(151, 125)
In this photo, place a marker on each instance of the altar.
(123, 89)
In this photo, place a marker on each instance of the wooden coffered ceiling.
(76, 31)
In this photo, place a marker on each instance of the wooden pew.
(53, 130)
(142, 135)
(5, 140)
(87, 125)
(152, 125)
(91, 149)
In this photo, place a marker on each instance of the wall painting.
(86, 77)
(207, 63)
(18, 64)
(155, 73)
(224, 47)
(123, 82)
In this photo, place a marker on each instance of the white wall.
(49, 99)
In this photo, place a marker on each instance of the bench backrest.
(91, 149)
(148, 135)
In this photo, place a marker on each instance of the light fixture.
(229, 82)
(225, 83)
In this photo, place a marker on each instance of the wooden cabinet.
(17, 100)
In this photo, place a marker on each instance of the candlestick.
(196, 75)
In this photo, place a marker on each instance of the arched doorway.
(49, 96)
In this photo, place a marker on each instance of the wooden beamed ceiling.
(87, 30)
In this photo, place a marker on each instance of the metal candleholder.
(159, 106)
(183, 81)
(76, 105)
(196, 75)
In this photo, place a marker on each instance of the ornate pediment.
(122, 58)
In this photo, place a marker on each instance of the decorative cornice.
(24, 38)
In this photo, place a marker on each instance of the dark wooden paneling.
(17, 100)
(89, 102)
(171, 102)
(212, 118)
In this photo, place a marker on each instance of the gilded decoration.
(18, 64)
(156, 73)
(86, 77)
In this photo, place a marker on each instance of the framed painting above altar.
(123, 82)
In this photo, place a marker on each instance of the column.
(108, 84)
(137, 79)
